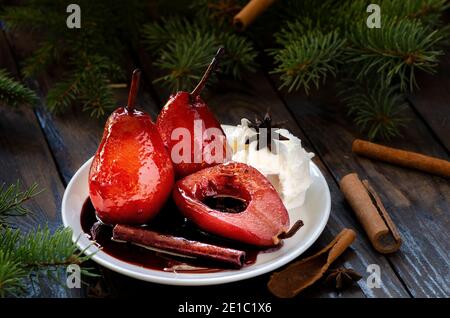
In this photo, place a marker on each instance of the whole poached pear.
(186, 111)
(131, 175)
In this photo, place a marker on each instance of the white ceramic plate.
(314, 213)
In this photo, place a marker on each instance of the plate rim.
(178, 279)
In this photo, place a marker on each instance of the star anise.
(342, 277)
(265, 125)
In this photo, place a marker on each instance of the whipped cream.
(287, 168)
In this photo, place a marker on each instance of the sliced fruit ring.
(235, 201)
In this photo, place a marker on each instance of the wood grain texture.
(418, 203)
(25, 156)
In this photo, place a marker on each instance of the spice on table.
(369, 210)
(250, 12)
(402, 158)
(342, 277)
(297, 276)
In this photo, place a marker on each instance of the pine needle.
(30, 256)
(308, 60)
(12, 198)
(91, 71)
(97, 48)
(376, 108)
(185, 61)
(12, 275)
(13, 93)
(183, 49)
(396, 51)
(34, 255)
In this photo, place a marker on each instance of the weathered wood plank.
(24, 156)
(419, 203)
(432, 101)
(233, 100)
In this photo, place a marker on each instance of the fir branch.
(43, 249)
(158, 35)
(31, 255)
(308, 60)
(101, 101)
(12, 199)
(376, 108)
(12, 275)
(31, 18)
(61, 96)
(13, 93)
(239, 55)
(184, 61)
(47, 54)
(396, 50)
(91, 71)
(106, 29)
(293, 30)
(184, 48)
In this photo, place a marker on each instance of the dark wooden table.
(38, 146)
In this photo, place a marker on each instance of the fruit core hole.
(225, 203)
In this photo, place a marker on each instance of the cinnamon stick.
(371, 213)
(402, 158)
(178, 245)
(301, 274)
(250, 12)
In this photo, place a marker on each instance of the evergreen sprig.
(14, 93)
(90, 71)
(12, 275)
(308, 60)
(376, 108)
(36, 254)
(29, 256)
(95, 51)
(411, 39)
(12, 198)
(183, 48)
(395, 51)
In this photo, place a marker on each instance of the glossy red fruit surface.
(182, 111)
(262, 219)
(131, 175)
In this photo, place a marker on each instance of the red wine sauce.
(168, 221)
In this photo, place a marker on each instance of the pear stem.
(211, 68)
(134, 87)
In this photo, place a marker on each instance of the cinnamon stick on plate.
(369, 210)
(250, 12)
(402, 158)
(178, 245)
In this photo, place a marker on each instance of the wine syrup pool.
(169, 221)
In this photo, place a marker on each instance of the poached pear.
(235, 201)
(131, 175)
(188, 111)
